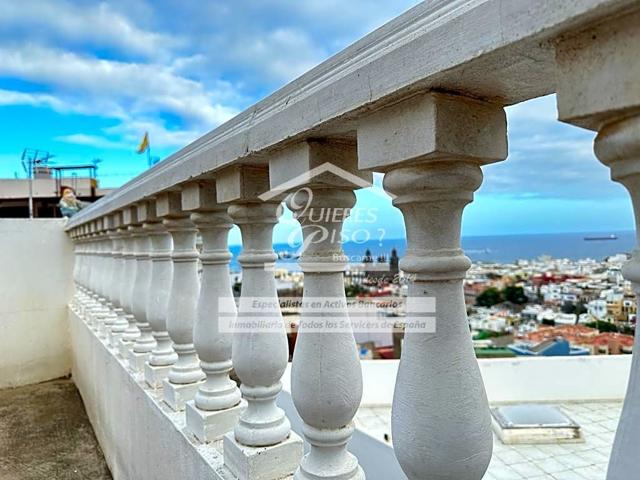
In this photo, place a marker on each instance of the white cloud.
(90, 140)
(143, 87)
(10, 97)
(269, 42)
(96, 24)
(547, 158)
(178, 69)
(540, 109)
(131, 130)
(282, 54)
(164, 67)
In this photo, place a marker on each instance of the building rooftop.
(567, 461)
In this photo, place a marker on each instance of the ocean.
(495, 248)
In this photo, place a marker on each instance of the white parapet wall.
(36, 263)
(141, 438)
(144, 439)
(521, 379)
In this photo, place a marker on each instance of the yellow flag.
(144, 144)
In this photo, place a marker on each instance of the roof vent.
(531, 423)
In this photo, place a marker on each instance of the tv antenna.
(31, 159)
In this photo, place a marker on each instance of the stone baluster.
(85, 269)
(217, 404)
(83, 256)
(90, 257)
(598, 71)
(119, 284)
(431, 147)
(80, 260)
(130, 334)
(77, 258)
(94, 273)
(98, 268)
(145, 342)
(112, 276)
(262, 444)
(107, 317)
(163, 356)
(326, 379)
(185, 374)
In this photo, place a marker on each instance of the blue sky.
(85, 80)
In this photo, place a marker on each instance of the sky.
(84, 80)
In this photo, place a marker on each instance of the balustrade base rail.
(140, 436)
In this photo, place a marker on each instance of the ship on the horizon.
(603, 237)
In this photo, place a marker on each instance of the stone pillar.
(129, 251)
(119, 285)
(73, 304)
(216, 406)
(113, 279)
(107, 278)
(104, 254)
(145, 342)
(94, 306)
(599, 89)
(84, 270)
(326, 378)
(79, 296)
(83, 273)
(163, 356)
(262, 444)
(431, 147)
(90, 258)
(185, 374)
(96, 275)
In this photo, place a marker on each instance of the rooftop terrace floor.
(567, 461)
(45, 434)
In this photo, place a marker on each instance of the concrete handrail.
(491, 49)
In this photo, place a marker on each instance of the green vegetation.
(494, 352)
(489, 297)
(577, 308)
(603, 326)
(492, 296)
(486, 334)
(627, 330)
(515, 295)
(354, 290)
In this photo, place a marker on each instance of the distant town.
(542, 307)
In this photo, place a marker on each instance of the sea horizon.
(501, 248)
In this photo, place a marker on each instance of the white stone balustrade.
(162, 356)
(431, 148)
(80, 268)
(262, 444)
(326, 380)
(131, 333)
(217, 405)
(118, 285)
(109, 316)
(379, 106)
(599, 89)
(94, 306)
(185, 374)
(145, 342)
(100, 311)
